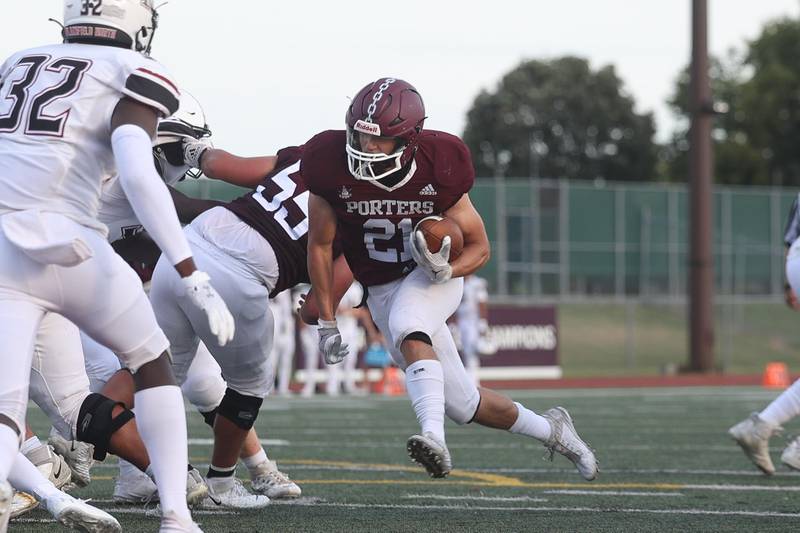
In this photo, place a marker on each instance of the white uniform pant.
(101, 295)
(203, 387)
(283, 345)
(59, 384)
(470, 335)
(414, 304)
(309, 340)
(245, 359)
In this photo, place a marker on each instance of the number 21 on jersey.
(379, 230)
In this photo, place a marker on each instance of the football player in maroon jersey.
(370, 185)
(257, 245)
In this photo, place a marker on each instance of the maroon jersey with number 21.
(374, 222)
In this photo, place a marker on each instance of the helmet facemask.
(144, 37)
(168, 158)
(371, 166)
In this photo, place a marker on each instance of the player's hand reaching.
(435, 264)
(193, 150)
(330, 342)
(204, 296)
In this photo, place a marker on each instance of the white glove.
(436, 265)
(193, 150)
(203, 295)
(330, 342)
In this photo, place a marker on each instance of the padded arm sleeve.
(146, 192)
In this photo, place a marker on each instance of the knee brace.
(240, 409)
(96, 423)
(209, 416)
(419, 336)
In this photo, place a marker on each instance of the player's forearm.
(147, 193)
(320, 271)
(242, 171)
(473, 258)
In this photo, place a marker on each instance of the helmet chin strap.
(59, 23)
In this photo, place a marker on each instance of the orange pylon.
(393, 382)
(776, 375)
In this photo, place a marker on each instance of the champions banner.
(526, 343)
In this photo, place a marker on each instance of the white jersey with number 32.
(56, 104)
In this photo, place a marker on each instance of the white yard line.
(265, 442)
(461, 508)
(473, 498)
(611, 493)
(640, 471)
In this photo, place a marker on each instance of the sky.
(271, 74)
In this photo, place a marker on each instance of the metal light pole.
(701, 266)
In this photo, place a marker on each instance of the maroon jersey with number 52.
(375, 221)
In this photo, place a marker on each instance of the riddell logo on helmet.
(367, 127)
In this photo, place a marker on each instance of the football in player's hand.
(436, 229)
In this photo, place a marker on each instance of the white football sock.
(530, 424)
(9, 448)
(161, 419)
(253, 462)
(784, 407)
(425, 385)
(26, 477)
(30, 444)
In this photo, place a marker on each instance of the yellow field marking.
(457, 477)
(482, 478)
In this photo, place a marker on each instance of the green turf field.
(666, 465)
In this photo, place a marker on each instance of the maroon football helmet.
(387, 108)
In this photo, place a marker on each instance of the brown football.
(436, 230)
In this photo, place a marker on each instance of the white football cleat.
(791, 454)
(565, 440)
(134, 487)
(196, 488)
(171, 523)
(22, 503)
(78, 456)
(273, 483)
(52, 466)
(432, 454)
(6, 498)
(752, 435)
(77, 514)
(236, 497)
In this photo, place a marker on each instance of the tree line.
(561, 119)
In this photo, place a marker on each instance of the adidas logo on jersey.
(345, 193)
(428, 190)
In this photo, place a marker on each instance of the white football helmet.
(123, 23)
(188, 122)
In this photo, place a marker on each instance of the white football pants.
(468, 331)
(101, 295)
(284, 344)
(59, 383)
(245, 359)
(414, 303)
